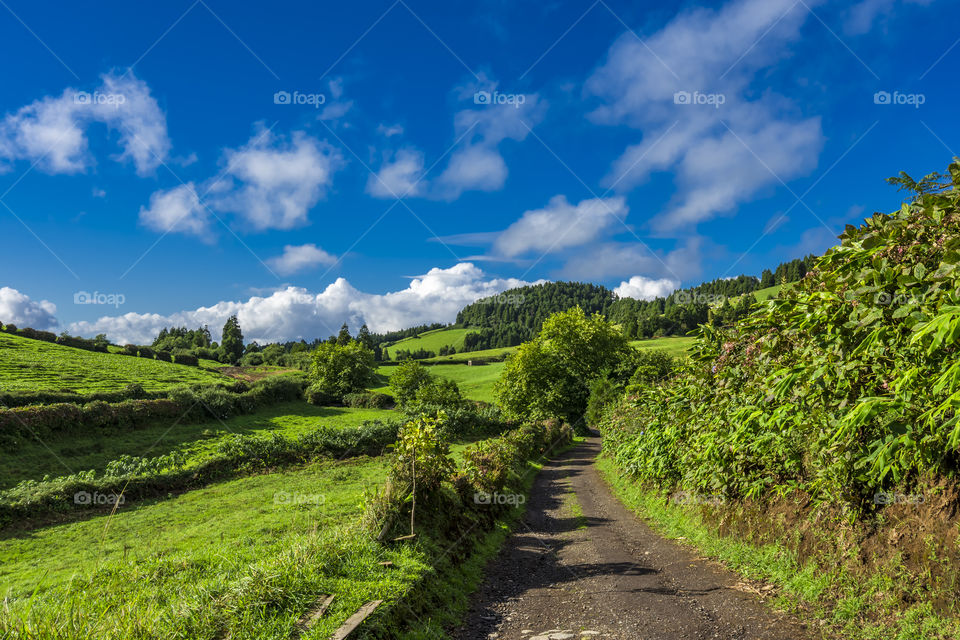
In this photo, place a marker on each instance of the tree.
(341, 369)
(231, 342)
(407, 378)
(364, 337)
(549, 377)
(343, 338)
(767, 279)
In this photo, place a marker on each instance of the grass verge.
(824, 594)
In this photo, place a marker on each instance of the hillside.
(36, 365)
(433, 340)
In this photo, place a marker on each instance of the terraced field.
(35, 365)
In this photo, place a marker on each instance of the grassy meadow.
(35, 365)
(432, 340)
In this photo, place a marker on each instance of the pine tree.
(364, 337)
(344, 338)
(232, 340)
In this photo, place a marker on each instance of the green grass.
(35, 365)
(827, 594)
(432, 340)
(475, 382)
(64, 456)
(483, 353)
(676, 346)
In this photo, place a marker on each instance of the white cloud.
(298, 258)
(643, 288)
(98, 193)
(720, 156)
(862, 16)
(615, 259)
(294, 312)
(18, 309)
(52, 131)
(476, 167)
(390, 131)
(398, 178)
(177, 210)
(560, 225)
(273, 183)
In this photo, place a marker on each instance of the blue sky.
(305, 164)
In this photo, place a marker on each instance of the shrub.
(186, 359)
(368, 400)
(10, 328)
(407, 378)
(46, 336)
(438, 393)
(164, 355)
(27, 332)
(145, 352)
(341, 369)
(252, 359)
(129, 350)
(653, 365)
(321, 397)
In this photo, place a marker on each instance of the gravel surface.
(597, 572)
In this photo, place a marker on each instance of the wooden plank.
(354, 621)
(309, 619)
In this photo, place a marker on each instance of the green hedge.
(37, 421)
(149, 478)
(369, 400)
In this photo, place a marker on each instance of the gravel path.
(580, 565)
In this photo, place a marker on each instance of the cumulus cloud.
(720, 156)
(398, 177)
(643, 288)
(177, 210)
(560, 225)
(273, 182)
(295, 313)
(299, 258)
(17, 308)
(52, 131)
(619, 259)
(477, 165)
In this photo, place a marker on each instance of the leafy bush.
(252, 359)
(549, 376)
(145, 352)
(653, 365)
(164, 355)
(438, 393)
(603, 391)
(341, 369)
(129, 350)
(368, 400)
(407, 378)
(322, 398)
(422, 453)
(845, 385)
(186, 359)
(10, 328)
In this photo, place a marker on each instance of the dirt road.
(579, 561)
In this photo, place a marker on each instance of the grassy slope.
(476, 382)
(675, 346)
(35, 365)
(483, 353)
(432, 340)
(197, 440)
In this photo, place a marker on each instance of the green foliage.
(549, 376)
(603, 391)
(231, 342)
(653, 365)
(341, 369)
(422, 453)
(368, 400)
(406, 379)
(844, 385)
(344, 337)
